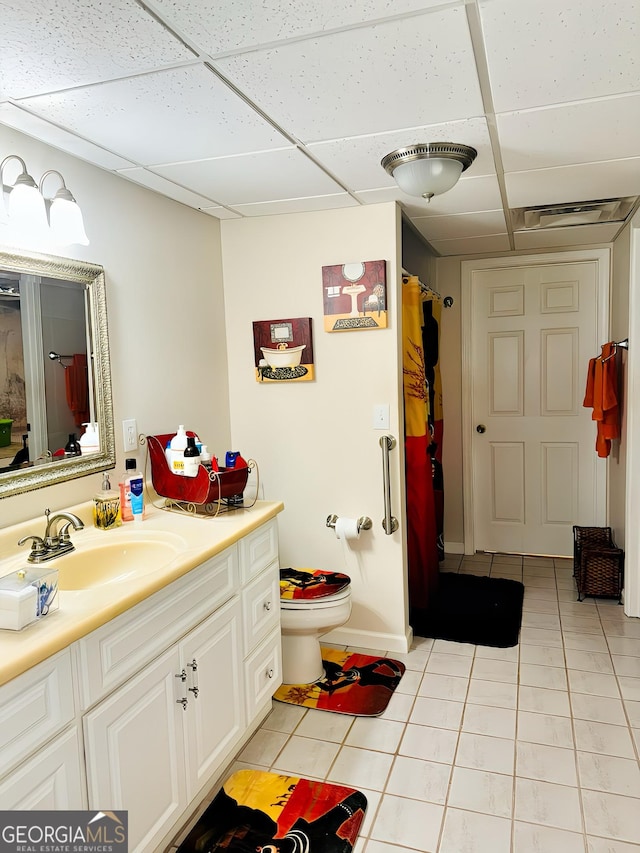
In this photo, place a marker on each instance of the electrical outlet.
(130, 435)
(381, 416)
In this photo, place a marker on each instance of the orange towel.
(602, 395)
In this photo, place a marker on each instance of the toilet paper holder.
(364, 522)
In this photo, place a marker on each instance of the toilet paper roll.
(347, 528)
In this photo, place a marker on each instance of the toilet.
(312, 603)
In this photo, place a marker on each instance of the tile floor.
(532, 749)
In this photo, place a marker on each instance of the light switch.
(381, 416)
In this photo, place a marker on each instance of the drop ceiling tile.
(297, 205)
(455, 201)
(219, 26)
(579, 235)
(44, 131)
(585, 182)
(356, 161)
(545, 52)
(161, 185)
(369, 80)
(253, 178)
(468, 195)
(49, 45)
(472, 245)
(606, 129)
(461, 225)
(180, 114)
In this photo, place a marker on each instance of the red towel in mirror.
(77, 388)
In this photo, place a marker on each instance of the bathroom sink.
(104, 563)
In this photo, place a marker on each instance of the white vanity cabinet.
(40, 745)
(159, 741)
(154, 742)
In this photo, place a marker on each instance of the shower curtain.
(421, 506)
(432, 310)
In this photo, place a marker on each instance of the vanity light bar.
(32, 215)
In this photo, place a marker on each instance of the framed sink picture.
(283, 350)
(355, 296)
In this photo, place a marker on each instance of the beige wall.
(165, 309)
(619, 330)
(314, 441)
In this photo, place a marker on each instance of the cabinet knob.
(193, 665)
(270, 672)
(195, 691)
(267, 605)
(182, 675)
(184, 702)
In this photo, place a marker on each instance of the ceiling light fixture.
(429, 168)
(28, 208)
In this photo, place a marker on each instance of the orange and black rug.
(259, 811)
(352, 684)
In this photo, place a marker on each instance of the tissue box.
(27, 595)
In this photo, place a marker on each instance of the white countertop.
(82, 611)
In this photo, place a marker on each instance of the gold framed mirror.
(55, 372)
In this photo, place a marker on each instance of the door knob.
(481, 428)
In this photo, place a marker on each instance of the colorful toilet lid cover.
(311, 583)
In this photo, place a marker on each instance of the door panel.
(533, 330)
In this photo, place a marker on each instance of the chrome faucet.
(55, 543)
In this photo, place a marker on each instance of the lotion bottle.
(175, 453)
(125, 490)
(136, 490)
(191, 458)
(89, 440)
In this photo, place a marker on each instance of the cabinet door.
(52, 780)
(34, 707)
(134, 751)
(215, 718)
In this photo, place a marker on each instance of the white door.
(134, 752)
(215, 715)
(52, 780)
(535, 472)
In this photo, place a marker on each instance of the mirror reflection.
(55, 387)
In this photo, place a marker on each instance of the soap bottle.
(125, 490)
(175, 452)
(72, 447)
(191, 458)
(106, 506)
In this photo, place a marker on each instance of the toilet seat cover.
(309, 584)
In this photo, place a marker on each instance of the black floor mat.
(471, 609)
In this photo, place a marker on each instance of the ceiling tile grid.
(260, 107)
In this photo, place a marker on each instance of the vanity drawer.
(258, 549)
(261, 607)
(34, 707)
(113, 653)
(263, 674)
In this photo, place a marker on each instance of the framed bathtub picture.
(355, 296)
(283, 350)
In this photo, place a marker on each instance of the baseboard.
(374, 640)
(454, 547)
